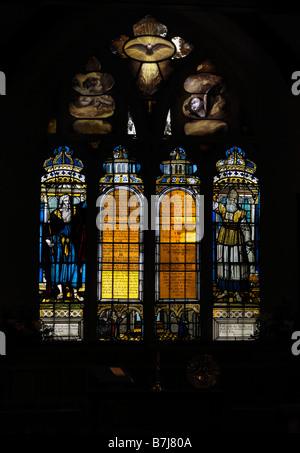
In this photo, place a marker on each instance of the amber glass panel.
(177, 246)
(120, 247)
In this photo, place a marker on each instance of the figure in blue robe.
(63, 244)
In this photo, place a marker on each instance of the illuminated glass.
(92, 103)
(177, 307)
(168, 126)
(120, 250)
(207, 105)
(236, 211)
(177, 245)
(62, 246)
(151, 55)
(120, 247)
(130, 125)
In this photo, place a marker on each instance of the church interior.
(158, 387)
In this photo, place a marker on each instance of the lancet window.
(62, 246)
(178, 234)
(236, 212)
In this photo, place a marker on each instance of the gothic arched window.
(120, 250)
(129, 292)
(236, 210)
(178, 233)
(62, 246)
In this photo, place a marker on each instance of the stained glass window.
(131, 126)
(236, 211)
(92, 104)
(120, 249)
(177, 308)
(62, 246)
(168, 126)
(151, 54)
(207, 105)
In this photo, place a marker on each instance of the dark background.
(68, 387)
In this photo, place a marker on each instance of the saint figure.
(63, 251)
(235, 249)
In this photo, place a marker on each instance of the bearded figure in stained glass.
(235, 249)
(63, 247)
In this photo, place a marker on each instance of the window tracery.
(204, 108)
